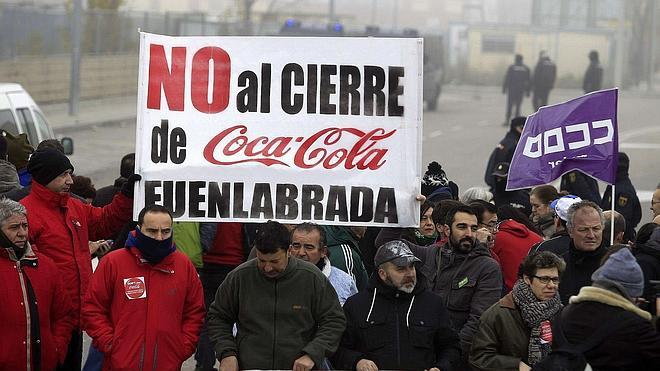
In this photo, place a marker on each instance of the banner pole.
(612, 217)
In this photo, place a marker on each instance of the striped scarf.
(533, 313)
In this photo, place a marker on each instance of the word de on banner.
(326, 130)
(580, 134)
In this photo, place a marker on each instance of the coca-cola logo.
(326, 148)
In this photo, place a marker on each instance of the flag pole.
(612, 216)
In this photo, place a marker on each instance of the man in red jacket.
(62, 226)
(33, 298)
(145, 306)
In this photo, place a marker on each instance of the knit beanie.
(621, 268)
(47, 164)
(433, 179)
(18, 150)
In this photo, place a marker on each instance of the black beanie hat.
(433, 179)
(47, 164)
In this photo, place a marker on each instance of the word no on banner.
(326, 130)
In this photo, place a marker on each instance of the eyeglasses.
(654, 202)
(546, 279)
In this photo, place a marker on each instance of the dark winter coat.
(634, 345)
(397, 331)
(581, 185)
(545, 73)
(593, 77)
(648, 258)
(517, 80)
(558, 244)
(626, 203)
(580, 265)
(502, 153)
(502, 340)
(468, 283)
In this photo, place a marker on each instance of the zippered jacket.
(278, 319)
(37, 316)
(397, 331)
(62, 226)
(143, 316)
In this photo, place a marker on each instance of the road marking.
(456, 128)
(638, 132)
(640, 145)
(435, 134)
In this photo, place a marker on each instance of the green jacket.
(278, 320)
(345, 254)
(187, 240)
(502, 339)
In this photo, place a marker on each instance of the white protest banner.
(326, 130)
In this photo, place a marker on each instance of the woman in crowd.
(542, 215)
(516, 332)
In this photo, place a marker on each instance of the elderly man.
(285, 310)
(397, 323)
(655, 202)
(62, 227)
(33, 298)
(145, 305)
(308, 243)
(585, 247)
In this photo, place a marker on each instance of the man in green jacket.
(286, 311)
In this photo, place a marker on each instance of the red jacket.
(159, 327)
(48, 318)
(512, 243)
(61, 226)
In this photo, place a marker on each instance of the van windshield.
(7, 122)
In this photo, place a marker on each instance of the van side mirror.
(67, 143)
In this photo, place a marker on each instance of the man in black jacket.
(545, 73)
(504, 150)
(625, 199)
(397, 323)
(516, 83)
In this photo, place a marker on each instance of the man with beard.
(397, 323)
(461, 271)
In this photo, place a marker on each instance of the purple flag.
(580, 134)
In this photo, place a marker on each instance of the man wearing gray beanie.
(62, 227)
(632, 342)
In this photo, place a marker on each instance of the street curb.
(68, 128)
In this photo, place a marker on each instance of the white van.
(20, 114)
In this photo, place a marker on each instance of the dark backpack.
(570, 357)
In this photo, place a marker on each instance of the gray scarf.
(534, 312)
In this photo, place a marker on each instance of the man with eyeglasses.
(516, 332)
(655, 202)
(585, 248)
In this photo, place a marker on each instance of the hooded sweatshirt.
(512, 243)
(396, 330)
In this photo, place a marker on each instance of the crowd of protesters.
(490, 280)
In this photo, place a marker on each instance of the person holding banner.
(62, 226)
(286, 311)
